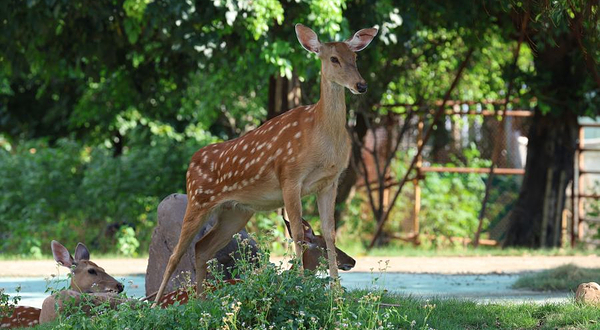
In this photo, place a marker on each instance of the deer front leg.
(293, 207)
(326, 204)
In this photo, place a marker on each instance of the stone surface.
(166, 235)
(588, 293)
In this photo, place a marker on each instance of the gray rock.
(166, 235)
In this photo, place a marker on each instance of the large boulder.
(166, 235)
(588, 293)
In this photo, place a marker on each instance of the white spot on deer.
(196, 204)
(212, 166)
(269, 146)
(290, 151)
(187, 174)
(227, 160)
(242, 159)
(215, 151)
(293, 159)
(278, 152)
(236, 172)
(225, 188)
(212, 198)
(234, 159)
(245, 147)
(295, 123)
(222, 153)
(247, 165)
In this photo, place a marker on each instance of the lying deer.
(315, 249)
(298, 153)
(86, 277)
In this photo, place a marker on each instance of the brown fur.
(300, 152)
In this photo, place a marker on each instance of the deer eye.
(334, 60)
(92, 271)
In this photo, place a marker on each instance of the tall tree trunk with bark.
(537, 216)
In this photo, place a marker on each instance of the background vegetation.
(103, 103)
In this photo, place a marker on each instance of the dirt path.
(438, 265)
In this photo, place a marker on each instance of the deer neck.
(331, 108)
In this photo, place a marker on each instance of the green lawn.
(563, 278)
(272, 298)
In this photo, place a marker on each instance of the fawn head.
(338, 59)
(86, 276)
(316, 248)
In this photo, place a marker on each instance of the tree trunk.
(537, 215)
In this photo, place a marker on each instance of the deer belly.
(318, 180)
(262, 197)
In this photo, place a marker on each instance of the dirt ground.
(437, 265)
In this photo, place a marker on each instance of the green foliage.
(269, 297)
(72, 192)
(127, 244)
(563, 278)
(7, 304)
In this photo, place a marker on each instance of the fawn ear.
(309, 234)
(308, 38)
(61, 254)
(361, 39)
(81, 252)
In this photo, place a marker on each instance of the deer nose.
(120, 287)
(361, 87)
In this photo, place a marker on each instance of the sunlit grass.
(563, 278)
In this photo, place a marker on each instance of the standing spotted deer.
(298, 153)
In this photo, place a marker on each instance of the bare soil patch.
(433, 265)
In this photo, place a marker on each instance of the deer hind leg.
(192, 222)
(326, 204)
(293, 208)
(229, 222)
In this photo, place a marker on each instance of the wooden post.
(417, 208)
(580, 168)
(574, 194)
(547, 192)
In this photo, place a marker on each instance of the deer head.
(338, 59)
(86, 276)
(316, 248)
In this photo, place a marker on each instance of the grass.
(357, 309)
(563, 278)
(272, 298)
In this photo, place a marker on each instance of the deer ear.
(308, 38)
(81, 252)
(361, 39)
(61, 254)
(309, 234)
